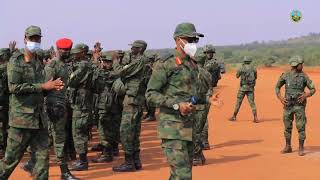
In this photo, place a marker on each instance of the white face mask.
(189, 48)
(33, 46)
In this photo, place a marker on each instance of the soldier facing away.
(294, 101)
(248, 76)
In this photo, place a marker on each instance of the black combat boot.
(287, 148)
(137, 160)
(105, 157)
(197, 160)
(127, 166)
(255, 118)
(233, 118)
(29, 165)
(82, 164)
(65, 173)
(97, 147)
(301, 148)
(206, 145)
(115, 149)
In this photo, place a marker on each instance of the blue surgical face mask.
(33, 46)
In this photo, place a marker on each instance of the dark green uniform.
(56, 106)
(295, 83)
(28, 126)
(248, 75)
(4, 99)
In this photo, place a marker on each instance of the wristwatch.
(176, 107)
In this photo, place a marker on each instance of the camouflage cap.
(80, 48)
(186, 30)
(106, 56)
(247, 59)
(209, 48)
(33, 31)
(139, 44)
(120, 52)
(4, 51)
(295, 61)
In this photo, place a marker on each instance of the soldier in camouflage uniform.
(108, 109)
(56, 103)
(133, 74)
(151, 111)
(295, 101)
(80, 88)
(248, 75)
(28, 126)
(4, 99)
(171, 88)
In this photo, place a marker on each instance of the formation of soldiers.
(57, 97)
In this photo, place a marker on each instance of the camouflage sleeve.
(77, 76)
(239, 72)
(15, 84)
(279, 84)
(129, 69)
(310, 86)
(156, 83)
(50, 72)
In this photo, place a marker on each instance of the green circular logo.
(296, 15)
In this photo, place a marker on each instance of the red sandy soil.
(240, 150)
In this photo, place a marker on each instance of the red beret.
(64, 43)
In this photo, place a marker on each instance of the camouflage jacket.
(133, 73)
(80, 85)
(4, 90)
(204, 84)
(213, 67)
(26, 95)
(57, 69)
(248, 75)
(172, 83)
(295, 84)
(103, 82)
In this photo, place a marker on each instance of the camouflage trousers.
(205, 133)
(300, 116)
(108, 128)
(240, 96)
(130, 127)
(69, 145)
(179, 154)
(80, 129)
(3, 128)
(57, 124)
(198, 127)
(18, 141)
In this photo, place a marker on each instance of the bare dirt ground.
(241, 150)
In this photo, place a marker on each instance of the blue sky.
(116, 23)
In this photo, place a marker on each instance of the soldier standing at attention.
(171, 88)
(295, 101)
(4, 99)
(248, 76)
(28, 126)
(80, 84)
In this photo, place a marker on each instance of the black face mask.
(65, 56)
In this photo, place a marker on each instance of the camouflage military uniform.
(170, 84)
(27, 123)
(80, 87)
(248, 75)
(295, 83)
(4, 99)
(108, 109)
(133, 74)
(204, 84)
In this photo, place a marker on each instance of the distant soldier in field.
(295, 101)
(248, 76)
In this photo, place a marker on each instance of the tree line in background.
(269, 53)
